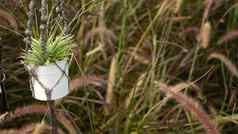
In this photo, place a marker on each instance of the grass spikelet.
(86, 80)
(191, 30)
(67, 123)
(32, 109)
(108, 35)
(176, 88)
(178, 6)
(23, 111)
(228, 37)
(110, 97)
(208, 5)
(191, 105)
(43, 128)
(231, 67)
(40, 128)
(205, 35)
(10, 19)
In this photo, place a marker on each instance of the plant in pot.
(49, 68)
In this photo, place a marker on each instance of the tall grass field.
(137, 67)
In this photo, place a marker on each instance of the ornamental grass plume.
(205, 35)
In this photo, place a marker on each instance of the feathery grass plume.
(43, 128)
(61, 116)
(139, 56)
(110, 96)
(30, 129)
(87, 80)
(9, 18)
(191, 30)
(84, 81)
(205, 35)
(67, 123)
(191, 105)
(208, 4)
(178, 6)
(231, 67)
(108, 36)
(26, 129)
(32, 109)
(11, 131)
(176, 88)
(40, 128)
(228, 37)
(23, 111)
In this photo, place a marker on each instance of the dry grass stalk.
(231, 67)
(205, 35)
(191, 105)
(40, 128)
(110, 96)
(134, 91)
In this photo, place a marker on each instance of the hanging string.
(43, 26)
(43, 43)
(29, 27)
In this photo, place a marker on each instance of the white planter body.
(51, 77)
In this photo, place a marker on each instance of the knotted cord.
(43, 25)
(29, 27)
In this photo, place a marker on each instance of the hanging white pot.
(52, 78)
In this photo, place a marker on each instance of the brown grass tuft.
(228, 37)
(191, 105)
(86, 80)
(9, 18)
(231, 67)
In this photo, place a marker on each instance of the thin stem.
(52, 117)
